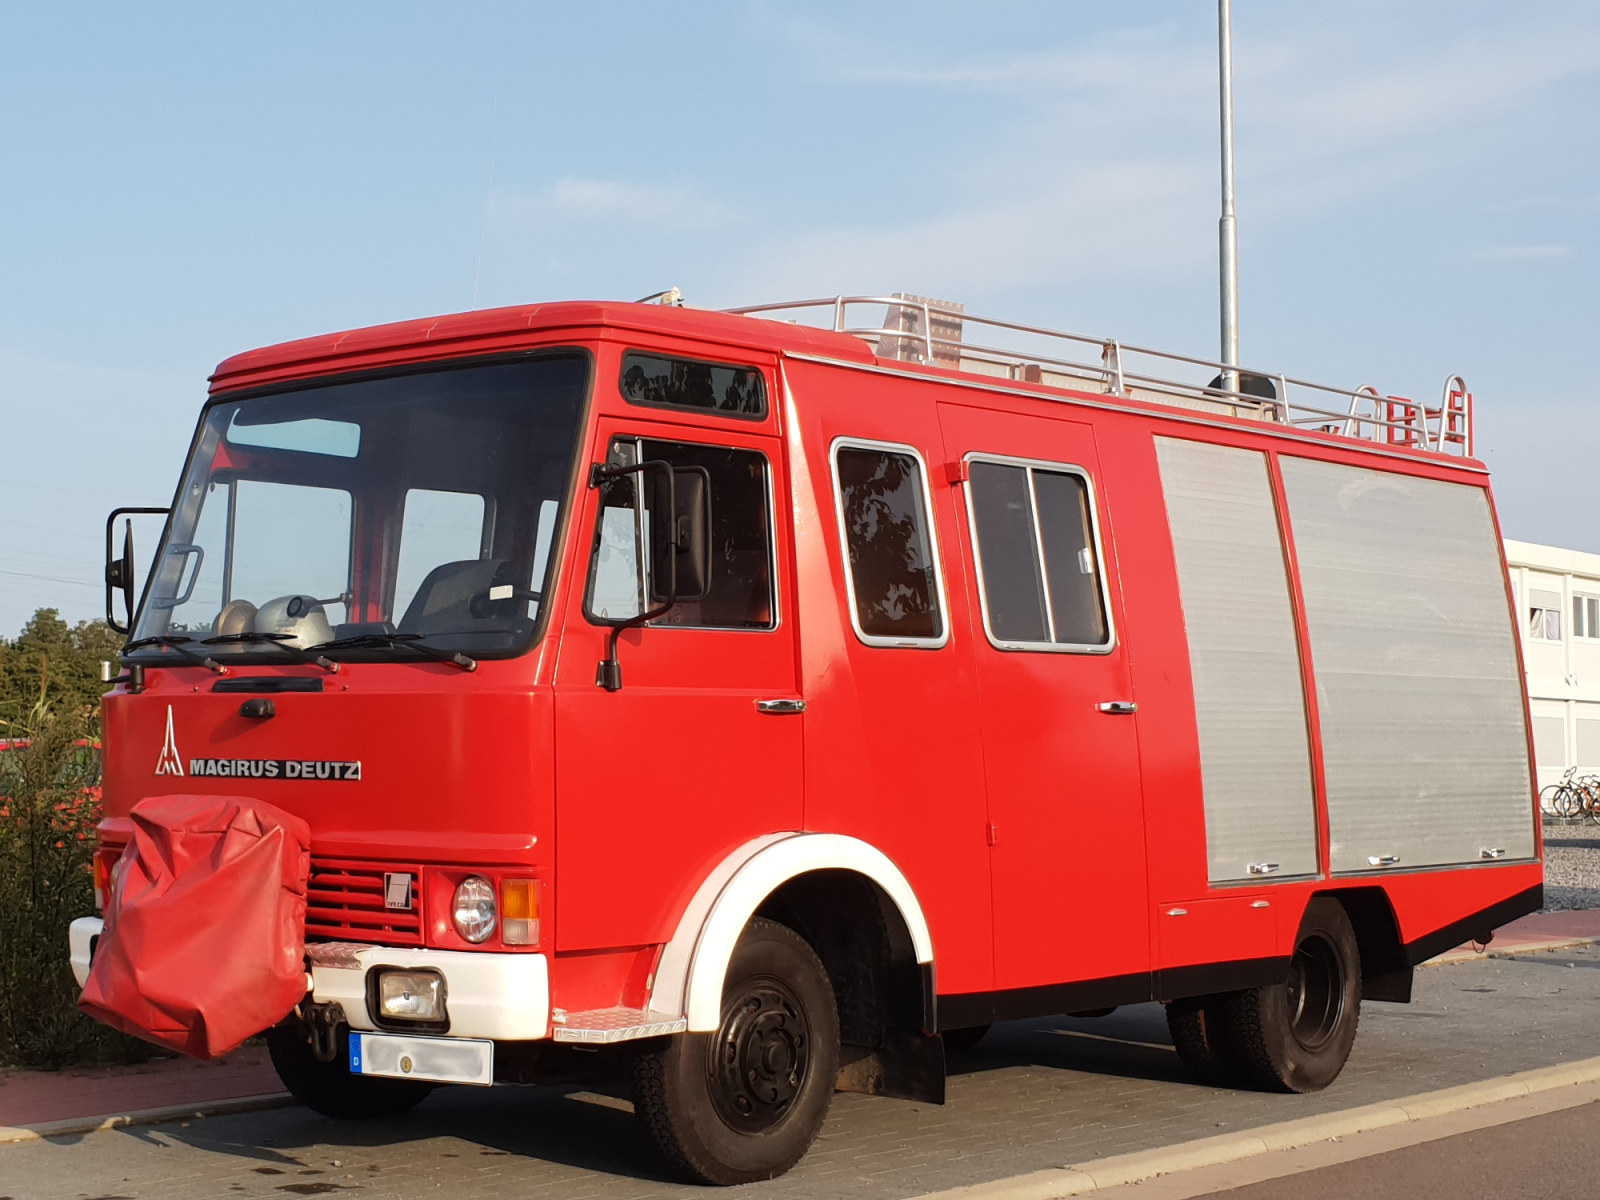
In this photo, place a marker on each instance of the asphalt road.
(1544, 1158)
(1035, 1094)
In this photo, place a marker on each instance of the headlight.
(411, 995)
(473, 910)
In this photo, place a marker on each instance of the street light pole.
(1227, 232)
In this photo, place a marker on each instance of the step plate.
(600, 1026)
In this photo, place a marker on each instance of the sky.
(1418, 187)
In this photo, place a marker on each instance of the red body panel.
(621, 803)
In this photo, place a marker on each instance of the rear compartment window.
(1038, 569)
(887, 526)
(740, 594)
(661, 382)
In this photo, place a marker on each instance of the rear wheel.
(1198, 1025)
(747, 1101)
(329, 1088)
(1295, 1036)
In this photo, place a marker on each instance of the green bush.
(49, 805)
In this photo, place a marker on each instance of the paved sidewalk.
(1033, 1096)
(36, 1097)
(1526, 935)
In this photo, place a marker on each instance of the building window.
(1544, 615)
(892, 566)
(1586, 616)
(1038, 569)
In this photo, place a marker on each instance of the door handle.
(780, 708)
(1119, 708)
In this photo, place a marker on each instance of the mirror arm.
(608, 674)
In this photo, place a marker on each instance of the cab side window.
(1039, 574)
(740, 590)
(886, 524)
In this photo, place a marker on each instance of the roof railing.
(920, 329)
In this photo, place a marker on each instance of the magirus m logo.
(169, 763)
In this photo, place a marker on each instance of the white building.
(1558, 597)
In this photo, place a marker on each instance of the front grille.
(345, 903)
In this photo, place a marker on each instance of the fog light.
(519, 912)
(411, 995)
(474, 912)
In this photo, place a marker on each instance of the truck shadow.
(594, 1130)
(1130, 1043)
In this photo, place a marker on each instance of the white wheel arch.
(689, 977)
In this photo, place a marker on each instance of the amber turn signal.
(519, 912)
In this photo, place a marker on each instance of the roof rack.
(924, 330)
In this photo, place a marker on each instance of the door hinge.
(991, 833)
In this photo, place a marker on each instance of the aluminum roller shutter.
(1255, 762)
(1424, 745)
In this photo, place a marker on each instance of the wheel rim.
(760, 1056)
(1316, 992)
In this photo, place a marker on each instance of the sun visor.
(204, 940)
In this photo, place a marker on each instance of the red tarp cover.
(204, 942)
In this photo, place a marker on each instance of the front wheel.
(746, 1102)
(1295, 1036)
(329, 1088)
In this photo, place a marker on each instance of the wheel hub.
(759, 1056)
(1316, 992)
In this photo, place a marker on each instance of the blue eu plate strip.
(355, 1054)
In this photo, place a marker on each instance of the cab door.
(1058, 717)
(700, 749)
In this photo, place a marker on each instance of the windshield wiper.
(405, 641)
(179, 646)
(278, 641)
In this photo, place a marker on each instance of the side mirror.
(121, 572)
(680, 535)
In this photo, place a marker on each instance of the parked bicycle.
(1573, 797)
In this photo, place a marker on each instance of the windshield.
(413, 508)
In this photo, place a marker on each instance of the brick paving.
(1035, 1094)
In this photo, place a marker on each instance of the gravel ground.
(1571, 866)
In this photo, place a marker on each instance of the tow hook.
(321, 1021)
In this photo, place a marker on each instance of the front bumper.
(503, 997)
(82, 935)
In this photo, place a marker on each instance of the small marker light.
(519, 912)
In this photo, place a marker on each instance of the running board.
(601, 1026)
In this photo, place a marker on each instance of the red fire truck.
(757, 704)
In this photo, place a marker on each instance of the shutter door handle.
(780, 708)
(1119, 708)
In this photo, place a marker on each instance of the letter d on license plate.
(435, 1060)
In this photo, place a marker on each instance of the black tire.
(1295, 1036)
(1198, 1025)
(329, 1088)
(746, 1102)
(959, 1041)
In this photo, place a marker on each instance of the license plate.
(436, 1060)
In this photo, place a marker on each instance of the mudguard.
(204, 940)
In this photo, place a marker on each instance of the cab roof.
(494, 330)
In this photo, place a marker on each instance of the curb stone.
(1467, 954)
(1086, 1177)
(10, 1134)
